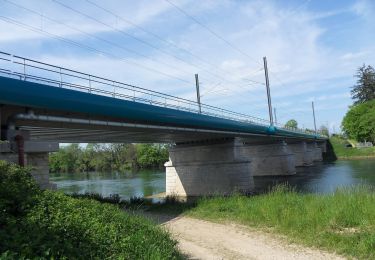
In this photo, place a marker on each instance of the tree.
(149, 155)
(364, 90)
(291, 124)
(359, 122)
(324, 130)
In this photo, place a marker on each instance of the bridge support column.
(270, 159)
(303, 154)
(317, 152)
(208, 169)
(323, 146)
(35, 155)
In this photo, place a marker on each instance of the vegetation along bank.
(108, 157)
(37, 224)
(342, 222)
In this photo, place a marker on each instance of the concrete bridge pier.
(322, 146)
(20, 150)
(303, 153)
(317, 151)
(270, 158)
(215, 167)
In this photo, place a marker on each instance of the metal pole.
(24, 68)
(313, 109)
(90, 83)
(268, 90)
(60, 78)
(274, 112)
(198, 94)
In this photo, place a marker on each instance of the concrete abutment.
(35, 155)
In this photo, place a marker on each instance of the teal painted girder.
(35, 95)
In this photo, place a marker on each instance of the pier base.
(208, 169)
(303, 154)
(35, 155)
(270, 159)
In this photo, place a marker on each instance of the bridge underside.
(202, 161)
(210, 155)
(63, 127)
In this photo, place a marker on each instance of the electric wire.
(212, 31)
(91, 35)
(84, 46)
(153, 34)
(138, 39)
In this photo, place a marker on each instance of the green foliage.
(341, 149)
(108, 157)
(151, 155)
(359, 122)
(343, 222)
(324, 130)
(17, 191)
(67, 159)
(291, 123)
(364, 90)
(51, 225)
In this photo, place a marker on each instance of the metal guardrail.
(35, 71)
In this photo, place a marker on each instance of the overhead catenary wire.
(97, 50)
(203, 61)
(223, 39)
(87, 47)
(138, 39)
(94, 36)
(212, 32)
(91, 35)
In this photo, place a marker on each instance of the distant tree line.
(293, 124)
(108, 157)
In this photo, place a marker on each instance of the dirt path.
(200, 239)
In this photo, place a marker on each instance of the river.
(321, 178)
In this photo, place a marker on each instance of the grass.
(36, 224)
(343, 222)
(343, 152)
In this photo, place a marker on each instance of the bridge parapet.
(25, 69)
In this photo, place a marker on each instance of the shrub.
(46, 224)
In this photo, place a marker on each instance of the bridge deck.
(137, 121)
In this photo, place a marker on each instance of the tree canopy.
(364, 90)
(324, 130)
(291, 123)
(359, 121)
(107, 157)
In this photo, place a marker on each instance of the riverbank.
(341, 150)
(50, 225)
(342, 222)
(209, 240)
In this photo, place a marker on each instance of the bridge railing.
(35, 71)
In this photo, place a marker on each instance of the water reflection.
(127, 185)
(321, 178)
(324, 177)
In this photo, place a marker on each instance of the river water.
(321, 178)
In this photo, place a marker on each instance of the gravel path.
(200, 239)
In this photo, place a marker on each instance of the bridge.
(213, 150)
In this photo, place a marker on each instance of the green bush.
(46, 224)
(359, 121)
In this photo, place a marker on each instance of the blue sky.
(313, 48)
